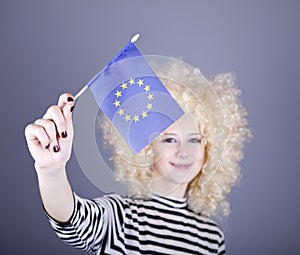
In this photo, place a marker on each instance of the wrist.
(49, 171)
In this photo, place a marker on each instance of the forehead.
(185, 124)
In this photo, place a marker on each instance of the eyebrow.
(195, 134)
(191, 134)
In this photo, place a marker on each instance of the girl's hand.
(50, 138)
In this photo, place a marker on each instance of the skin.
(49, 140)
(179, 157)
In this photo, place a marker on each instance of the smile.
(182, 166)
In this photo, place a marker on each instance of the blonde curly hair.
(215, 104)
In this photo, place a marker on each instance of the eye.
(169, 140)
(195, 140)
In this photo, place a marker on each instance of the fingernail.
(70, 99)
(55, 148)
(72, 108)
(47, 147)
(64, 134)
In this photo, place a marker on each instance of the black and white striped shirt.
(116, 225)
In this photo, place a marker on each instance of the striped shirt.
(118, 225)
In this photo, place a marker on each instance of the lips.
(182, 166)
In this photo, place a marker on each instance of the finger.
(67, 103)
(65, 99)
(55, 114)
(36, 134)
(49, 128)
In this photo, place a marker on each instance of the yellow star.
(149, 106)
(117, 103)
(147, 88)
(144, 114)
(136, 118)
(131, 81)
(124, 85)
(150, 96)
(127, 117)
(140, 82)
(118, 94)
(121, 112)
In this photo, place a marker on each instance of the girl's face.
(179, 156)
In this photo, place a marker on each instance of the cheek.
(199, 156)
(163, 152)
(196, 150)
(159, 168)
(162, 158)
(199, 161)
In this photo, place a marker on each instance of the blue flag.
(134, 99)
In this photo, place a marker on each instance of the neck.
(169, 189)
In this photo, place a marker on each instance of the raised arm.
(49, 141)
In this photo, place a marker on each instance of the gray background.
(49, 47)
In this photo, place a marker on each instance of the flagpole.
(133, 40)
(81, 92)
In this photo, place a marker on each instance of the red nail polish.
(64, 134)
(55, 148)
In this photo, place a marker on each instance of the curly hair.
(215, 104)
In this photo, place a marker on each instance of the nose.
(182, 151)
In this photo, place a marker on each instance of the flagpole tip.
(135, 38)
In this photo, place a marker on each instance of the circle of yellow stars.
(119, 93)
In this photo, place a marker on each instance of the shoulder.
(113, 200)
(206, 224)
(107, 199)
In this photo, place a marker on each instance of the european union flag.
(134, 99)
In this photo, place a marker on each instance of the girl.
(175, 184)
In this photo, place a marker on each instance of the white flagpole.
(133, 40)
(81, 92)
